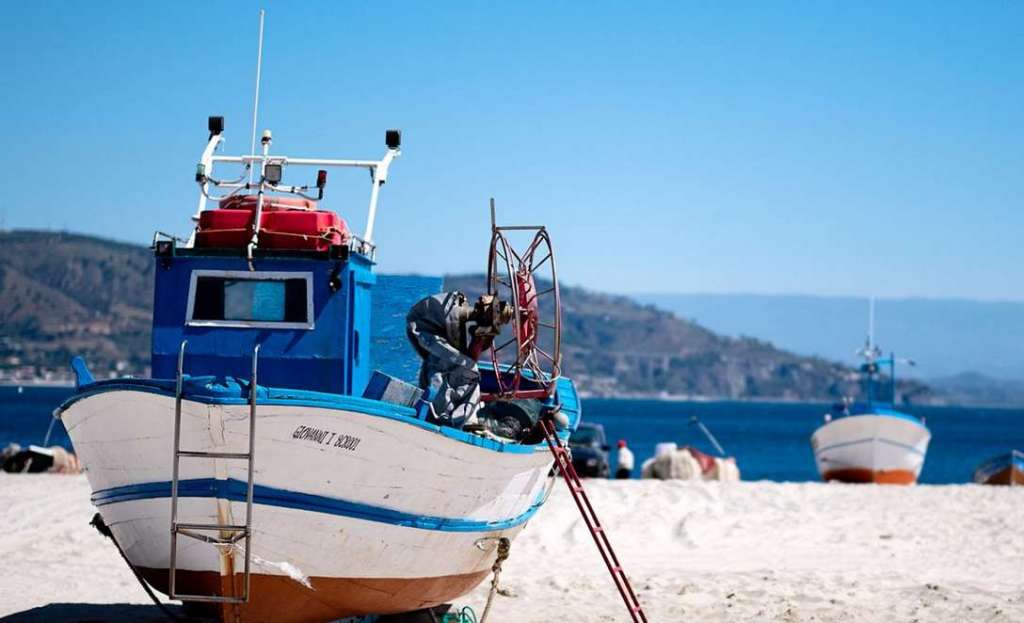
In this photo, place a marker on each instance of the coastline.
(823, 402)
(658, 396)
(39, 383)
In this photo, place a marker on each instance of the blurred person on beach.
(625, 469)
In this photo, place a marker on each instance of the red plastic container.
(285, 223)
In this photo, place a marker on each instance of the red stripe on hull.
(1008, 476)
(279, 599)
(864, 475)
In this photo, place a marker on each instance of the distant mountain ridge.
(63, 294)
(945, 337)
(978, 389)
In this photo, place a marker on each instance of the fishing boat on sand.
(871, 441)
(265, 469)
(1005, 469)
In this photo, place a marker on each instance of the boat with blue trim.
(1005, 469)
(265, 468)
(871, 442)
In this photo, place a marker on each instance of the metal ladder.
(227, 534)
(572, 479)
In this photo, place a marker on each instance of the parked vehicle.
(590, 451)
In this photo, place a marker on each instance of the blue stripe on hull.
(235, 491)
(869, 440)
(880, 411)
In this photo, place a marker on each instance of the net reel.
(527, 363)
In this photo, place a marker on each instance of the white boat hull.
(871, 448)
(354, 513)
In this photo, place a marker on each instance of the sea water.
(771, 441)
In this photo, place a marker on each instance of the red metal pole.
(604, 546)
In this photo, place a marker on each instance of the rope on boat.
(466, 615)
(101, 527)
(504, 545)
(326, 234)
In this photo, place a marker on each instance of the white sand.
(696, 551)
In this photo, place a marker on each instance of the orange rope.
(326, 234)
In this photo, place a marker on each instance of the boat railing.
(164, 244)
(270, 169)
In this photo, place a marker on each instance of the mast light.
(393, 139)
(215, 125)
(273, 173)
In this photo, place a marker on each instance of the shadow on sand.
(95, 613)
(133, 613)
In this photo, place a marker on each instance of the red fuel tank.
(285, 223)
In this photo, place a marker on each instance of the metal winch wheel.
(527, 362)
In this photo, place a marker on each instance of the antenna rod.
(871, 323)
(256, 100)
(892, 375)
(493, 224)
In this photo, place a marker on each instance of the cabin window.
(281, 300)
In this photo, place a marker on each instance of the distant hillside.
(65, 294)
(945, 336)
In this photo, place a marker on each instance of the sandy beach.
(695, 551)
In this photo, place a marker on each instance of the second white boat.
(871, 444)
(871, 441)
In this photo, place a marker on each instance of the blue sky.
(819, 148)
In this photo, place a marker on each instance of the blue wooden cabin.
(309, 312)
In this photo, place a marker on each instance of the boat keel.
(280, 599)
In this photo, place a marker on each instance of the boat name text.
(326, 437)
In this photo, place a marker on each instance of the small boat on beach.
(266, 469)
(1005, 469)
(871, 442)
